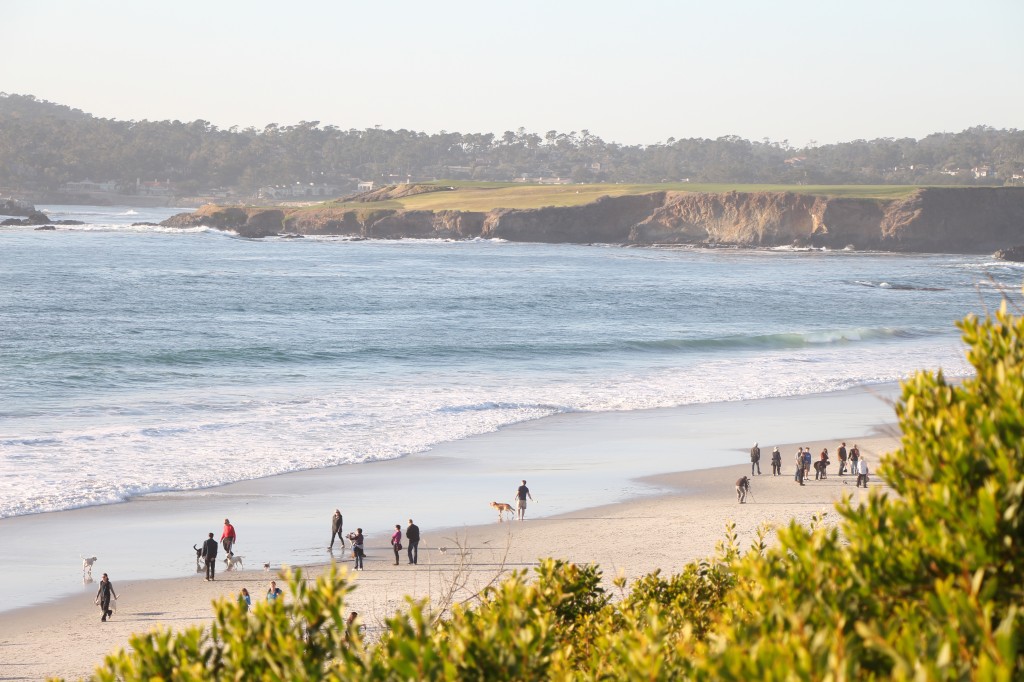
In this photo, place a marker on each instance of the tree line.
(44, 145)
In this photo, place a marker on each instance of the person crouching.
(742, 488)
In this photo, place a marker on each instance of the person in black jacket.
(210, 556)
(336, 523)
(755, 460)
(103, 597)
(412, 537)
(776, 462)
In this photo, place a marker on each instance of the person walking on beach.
(357, 548)
(522, 492)
(103, 597)
(274, 591)
(799, 477)
(755, 459)
(776, 462)
(210, 556)
(742, 488)
(842, 459)
(227, 537)
(336, 524)
(396, 541)
(412, 536)
(862, 472)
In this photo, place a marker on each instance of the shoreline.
(573, 460)
(631, 538)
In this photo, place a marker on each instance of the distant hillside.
(50, 148)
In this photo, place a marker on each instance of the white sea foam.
(105, 458)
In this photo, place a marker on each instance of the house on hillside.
(87, 186)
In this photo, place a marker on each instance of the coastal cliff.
(937, 220)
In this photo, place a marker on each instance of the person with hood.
(776, 462)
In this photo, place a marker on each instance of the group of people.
(228, 538)
(849, 461)
(209, 549)
(412, 541)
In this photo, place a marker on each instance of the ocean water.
(143, 359)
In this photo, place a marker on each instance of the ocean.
(144, 359)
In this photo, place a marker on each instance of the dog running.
(87, 563)
(502, 508)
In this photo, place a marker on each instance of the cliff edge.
(935, 220)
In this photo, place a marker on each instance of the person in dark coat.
(742, 488)
(336, 524)
(412, 537)
(776, 462)
(210, 556)
(755, 459)
(103, 597)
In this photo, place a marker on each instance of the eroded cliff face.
(959, 220)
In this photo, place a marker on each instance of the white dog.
(233, 561)
(87, 563)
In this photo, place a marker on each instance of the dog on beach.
(502, 508)
(199, 559)
(266, 568)
(233, 561)
(87, 563)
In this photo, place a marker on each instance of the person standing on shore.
(357, 548)
(776, 462)
(336, 524)
(244, 598)
(807, 462)
(227, 537)
(210, 556)
(755, 459)
(412, 536)
(103, 597)
(842, 459)
(396, 541)
(799, 477)
(522, 492)
(862, 472)
(854, 456)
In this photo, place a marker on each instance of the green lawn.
(485, 196)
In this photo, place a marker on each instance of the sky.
(636, 72)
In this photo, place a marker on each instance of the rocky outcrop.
(958, 220)
(1014, 254)
(608, 220)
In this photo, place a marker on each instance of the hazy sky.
(631, 72)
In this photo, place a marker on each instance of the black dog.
(199, 559)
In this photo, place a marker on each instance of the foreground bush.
(923, 584)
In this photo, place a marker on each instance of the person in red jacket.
(227, 538)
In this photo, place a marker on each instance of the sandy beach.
(628, 514)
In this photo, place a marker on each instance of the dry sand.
(67, 639)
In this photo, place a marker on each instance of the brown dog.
(502, 507)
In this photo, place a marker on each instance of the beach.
(665, 503)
